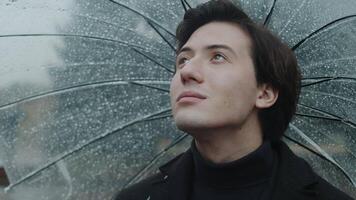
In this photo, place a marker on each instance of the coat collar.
(179, 175)
(293, 177)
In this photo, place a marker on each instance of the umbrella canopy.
(84, 91)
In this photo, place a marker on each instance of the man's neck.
(223, 146)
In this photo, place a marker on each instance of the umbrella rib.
(324, 118)
(317, 82)
(333, 140)
(155, 158)
(322, 152)
(292, 17)
(80, 147)
(318, 117)
(160, 34)
(320, 29)
(333, 119)
(71, 35)
(347, 122)
(184, 6)
(80, 64)
(142, 15)
(326, 79)
(323, 62)
(60, 90)
(269, 15)
(150, 86)
(153, 60)
(159, 117)
(326, 158)
(185, 1)
(331, 95)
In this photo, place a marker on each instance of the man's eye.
(182, 61)
(218, 57)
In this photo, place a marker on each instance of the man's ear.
(267, 96)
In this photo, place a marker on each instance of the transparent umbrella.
(84, 101)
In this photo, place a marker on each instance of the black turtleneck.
(246, 178)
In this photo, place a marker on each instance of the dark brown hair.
(274, 62)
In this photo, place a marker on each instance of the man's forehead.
(225, 35)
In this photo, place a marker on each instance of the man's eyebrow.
(221, 46)
(183, 50)
(209, 47)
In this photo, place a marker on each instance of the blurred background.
(84, 91)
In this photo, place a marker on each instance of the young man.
(235, 90)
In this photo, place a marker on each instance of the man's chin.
(186, 126)
(192, 127)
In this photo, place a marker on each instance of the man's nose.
(192, 72)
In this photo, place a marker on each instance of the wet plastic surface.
(84, 91)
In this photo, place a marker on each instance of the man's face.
(216, 77)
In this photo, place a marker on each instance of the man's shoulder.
(145, 187)
(294, 172)
(139, 190)
(329, 192)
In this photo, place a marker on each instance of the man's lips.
(190, 94)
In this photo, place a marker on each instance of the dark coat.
(294, 179)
